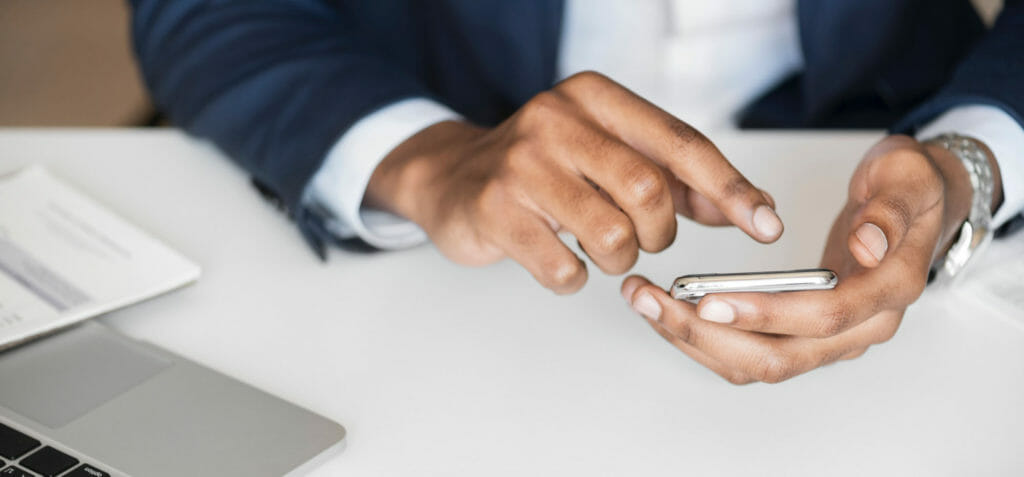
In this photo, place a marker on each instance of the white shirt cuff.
(339, 185)
(1003, 135)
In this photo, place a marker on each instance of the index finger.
(677, 146)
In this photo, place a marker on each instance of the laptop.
(89, 402)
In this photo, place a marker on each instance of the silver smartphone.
(693, 287)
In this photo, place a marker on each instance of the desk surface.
(441, 370)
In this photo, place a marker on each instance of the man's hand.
(905, 203)
(587, 156)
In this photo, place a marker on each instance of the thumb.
(879, 227)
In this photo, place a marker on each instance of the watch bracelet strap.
(976, 232)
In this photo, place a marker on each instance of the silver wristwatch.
(976, 232)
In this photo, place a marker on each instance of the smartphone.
(693, 287)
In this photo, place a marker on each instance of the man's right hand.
(588, 156)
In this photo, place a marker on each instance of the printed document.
(64, 258)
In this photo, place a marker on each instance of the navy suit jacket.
(274, 83)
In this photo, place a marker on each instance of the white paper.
(64, 258)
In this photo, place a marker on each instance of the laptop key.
(14, 444)
(48, 462)
(86, 470)
(14, 472)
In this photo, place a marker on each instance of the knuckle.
(855, 354)
(775, 367)
(585, 80)
(663, 238)
(621, 264)
(832, 325)
(887, 334)
(908, 159)
(563, 272)
(615, 238)
(897, 211)
(647, 187)
(888, 331)
(684, 135)
(544, 107)
(681, 330)
(768, 319)
(835, 320)
(667, 335)
(736, 187)
(519, 154)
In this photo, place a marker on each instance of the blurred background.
(70, 63)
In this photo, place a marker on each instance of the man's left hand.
(906, 200)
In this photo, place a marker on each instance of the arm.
(992, 74)
(339, 187)
(991, 78)
(272, 83)
(905, 202)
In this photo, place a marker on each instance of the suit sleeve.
(273, 83)
(992, 74)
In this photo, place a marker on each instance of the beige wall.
(68, 62)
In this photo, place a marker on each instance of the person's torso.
(864, 62)
(702, 61)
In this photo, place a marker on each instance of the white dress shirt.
(701, 61)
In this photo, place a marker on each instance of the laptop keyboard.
(24, 456)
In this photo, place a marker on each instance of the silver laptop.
(88, 402)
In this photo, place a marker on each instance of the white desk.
(441, 370)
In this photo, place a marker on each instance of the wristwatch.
(976, 232)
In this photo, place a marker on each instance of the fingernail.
(717, 311)
(874, 239)
(646, 305)
(766, 222)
